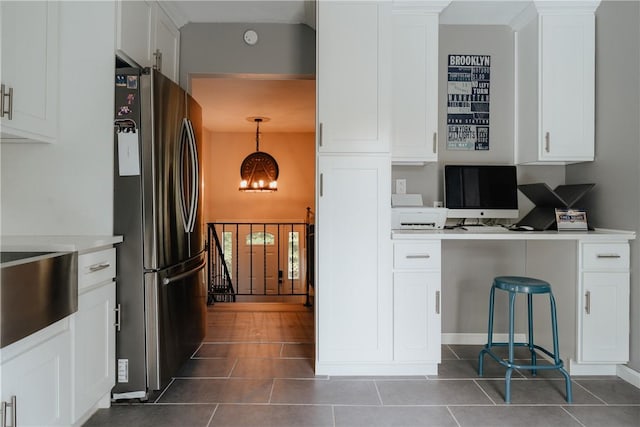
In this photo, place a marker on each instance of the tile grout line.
(375, 384)
(273, 385)
(589, 391)
(215, 409)
(485, 393)
(164, 391)
(572, 416)
(235, 363)
(453, 416)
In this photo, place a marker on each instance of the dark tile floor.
(255, 368)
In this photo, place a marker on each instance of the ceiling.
(227, 102)
(290, 104)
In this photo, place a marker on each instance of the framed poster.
(468, 84)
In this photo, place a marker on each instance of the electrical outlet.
(401, 186)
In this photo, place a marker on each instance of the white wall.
(615, 200)
(67, 187)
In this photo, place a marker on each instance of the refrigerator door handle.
(194, 175)
(188, 148)
(169, 280)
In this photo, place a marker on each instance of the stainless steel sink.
(36, 290)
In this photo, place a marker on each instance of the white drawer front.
(423, 256)
(607, 256)
(96, 267)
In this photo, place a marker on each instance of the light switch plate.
(401, 186)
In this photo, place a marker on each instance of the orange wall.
(222, 155)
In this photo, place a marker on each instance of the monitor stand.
(543, 215)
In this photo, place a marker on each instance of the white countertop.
(598, 235)
(57, 243)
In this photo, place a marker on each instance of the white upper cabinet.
(133, 36)
(414, 86)
(30, 83)
(354, 76)
(147, 36)
(555, 83)
(166, 45)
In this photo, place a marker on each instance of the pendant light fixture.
(259, 170)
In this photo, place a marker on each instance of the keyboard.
(486, 229)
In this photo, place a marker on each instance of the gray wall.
(615, 200)
(220, 49)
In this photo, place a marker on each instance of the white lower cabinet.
(603, 312)
(416, 316)
(38, 377)
(93, 334)
(93, 350)
(354, 291)
(416, 303)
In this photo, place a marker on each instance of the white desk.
(589, 273)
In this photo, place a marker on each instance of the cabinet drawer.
(96, 267)
(423, 255)
(598, 256)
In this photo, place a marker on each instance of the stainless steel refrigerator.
(161, 290)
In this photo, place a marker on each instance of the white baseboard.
(575, 368)
(479, 339)
(629, 375)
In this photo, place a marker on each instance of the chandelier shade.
(259, 170)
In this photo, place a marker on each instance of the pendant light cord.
(258, 120)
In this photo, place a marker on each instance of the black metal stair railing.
(220, 287)
(259, 259)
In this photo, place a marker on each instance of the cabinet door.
(567, 87)
(416, 316)
(354, 256)
(134, 31)
(166, 44)
(30, 68)
(415, 88)
(354, 76)
(604, 330)
(40, 380)
(94, 347)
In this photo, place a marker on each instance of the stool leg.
(556, 349)
(507, 378)
(489, 334)
(531, 347)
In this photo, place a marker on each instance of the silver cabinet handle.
(321, 186)
(320, 134)
(158, 63)
(418, 256)
(118, 311)
(3, 414)
(608, 256)
(435, 142)
(99, 266)
(587, 302)
(8, 111)
(437, 302)
(547, 143)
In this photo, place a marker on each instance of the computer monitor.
(481, 191)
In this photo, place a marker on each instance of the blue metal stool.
(529, 286)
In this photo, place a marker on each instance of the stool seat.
(529, 286)
(523, 285)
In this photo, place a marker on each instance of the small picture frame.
(571, 220)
